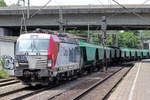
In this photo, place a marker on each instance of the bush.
(3, 74)
(2, 62)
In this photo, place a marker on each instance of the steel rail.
(97, 84)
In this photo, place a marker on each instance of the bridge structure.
(76, 17)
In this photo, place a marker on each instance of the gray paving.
(136, 85)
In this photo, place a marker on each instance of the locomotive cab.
(42, 58)
(35, 54)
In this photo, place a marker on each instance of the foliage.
(109, 40)
(2, 3)
(2, 61)
(95, 37)
(15, 5)
(3, 74)
(145, 35)
(128, 40)
(77, 32)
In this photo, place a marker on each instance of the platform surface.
(136, 85)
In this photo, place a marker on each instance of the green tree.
(145, 34)
(15, 5)
(2, 3)
(128, 40)
(77, 32)
(109, 39)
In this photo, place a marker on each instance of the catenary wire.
(40, 9)
(128, 9)
(141, 17)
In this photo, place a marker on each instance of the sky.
(77, 2)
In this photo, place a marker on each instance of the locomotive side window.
(70, 55)
(73, 54)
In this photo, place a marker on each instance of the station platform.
(136, 84)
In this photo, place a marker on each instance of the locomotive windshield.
(35, 45)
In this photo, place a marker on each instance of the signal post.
(103, 28)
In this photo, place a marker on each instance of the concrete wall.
(6, 48)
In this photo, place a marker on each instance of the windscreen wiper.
(34, 47)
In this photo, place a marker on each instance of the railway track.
(83, 90)
(30, 93)
(19, 91)
(54, 91)
(8, 82)
(59, 91)
(22, 92)
(100, 83)
(70, 91)
(5, 80)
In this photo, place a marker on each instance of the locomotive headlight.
(49, 63)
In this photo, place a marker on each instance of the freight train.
(47, 58)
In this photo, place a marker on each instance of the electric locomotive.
(44, 58)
